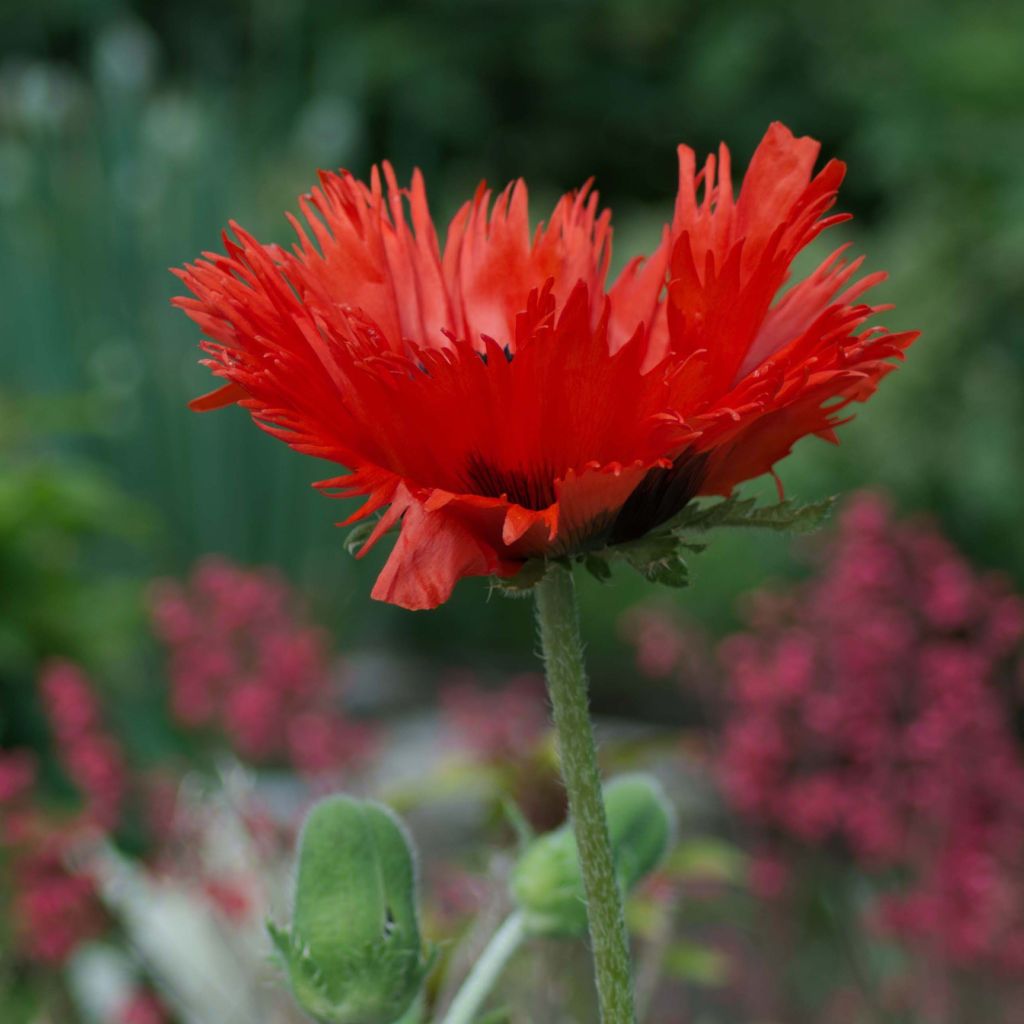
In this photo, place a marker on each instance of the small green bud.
(546, 882)
(353, 950)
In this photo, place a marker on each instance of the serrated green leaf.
(786, 517)
(706, 517)
(670, 571)
(652, 547)
(656, 557)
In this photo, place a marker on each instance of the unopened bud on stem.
(353, 949)
(547, 883)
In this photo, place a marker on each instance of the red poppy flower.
(497, 399)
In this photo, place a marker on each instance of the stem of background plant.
(477, 986)
(558, 618)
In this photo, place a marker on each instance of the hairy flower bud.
(547, 884)
(353, 950)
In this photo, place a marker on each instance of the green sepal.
(359, 535)
(522, 584)
(598, 567)
(546, 881)
(353, 949)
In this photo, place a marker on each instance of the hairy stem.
(476, 988)
(558, 618)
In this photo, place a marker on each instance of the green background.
(131, 133)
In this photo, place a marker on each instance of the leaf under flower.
(659, 555)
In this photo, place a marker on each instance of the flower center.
(533, 489)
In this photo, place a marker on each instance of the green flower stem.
(558, 618)
(477, 986)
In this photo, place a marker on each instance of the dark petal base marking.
(533, 489)
(661, 494)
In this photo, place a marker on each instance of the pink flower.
(90, 755)
(17, 774)
(245, 666)
(68, 698)
(54, 910)
(142, 1008)
(868, 710)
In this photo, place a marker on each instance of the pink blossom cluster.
(55, 907)
(17, 776)
(142, 1008)
(496, 724)
(668, 647)
(52, 908)
(658, 638)
(871, 711)
(90, 756)
(243, 664)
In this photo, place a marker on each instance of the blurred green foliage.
(68, 537)
(131, 132)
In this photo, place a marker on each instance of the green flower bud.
(353, 950)
(546, 882)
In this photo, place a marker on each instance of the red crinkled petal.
(434, 550)
(365, 254)
(491, 265)
(493, 402)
